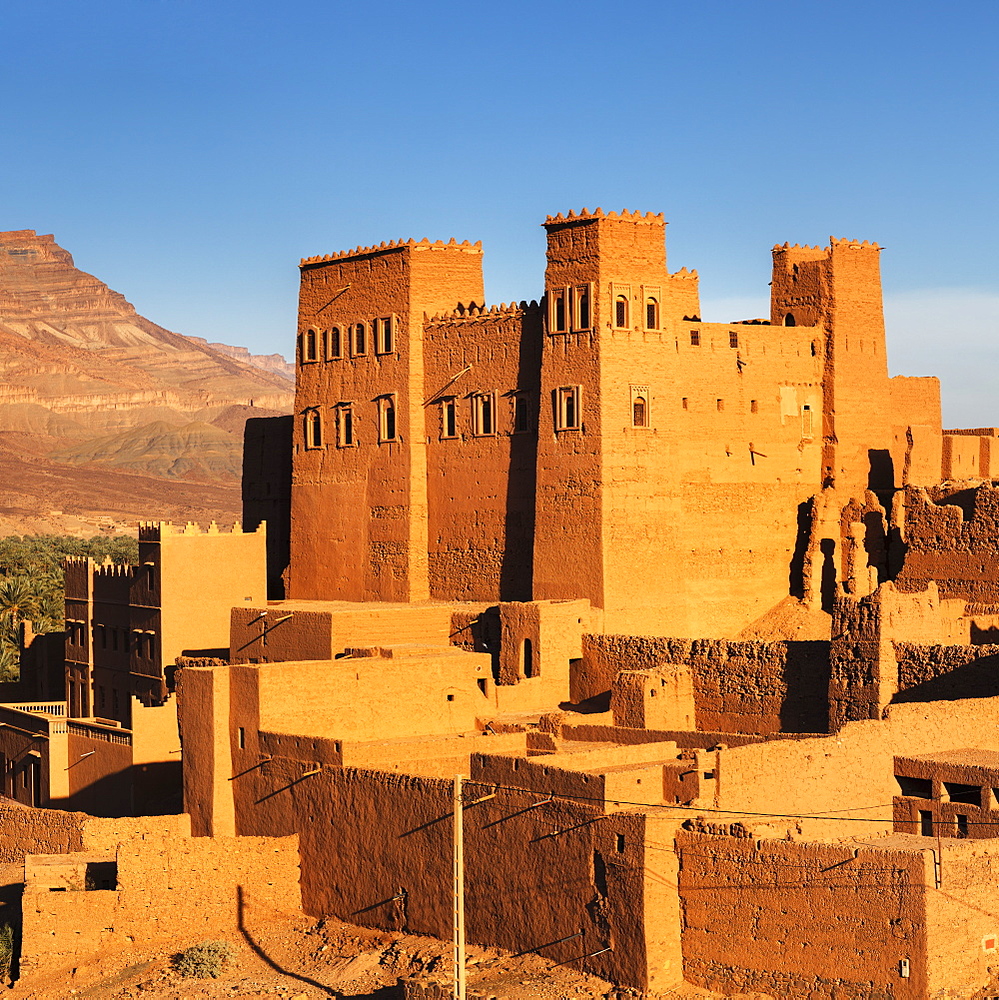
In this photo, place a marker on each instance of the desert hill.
(95, 399)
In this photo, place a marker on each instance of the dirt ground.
(299, 959)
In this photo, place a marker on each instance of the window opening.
(961, 822)
(806, 421)
(733, 339)
(386, 419)
(720, 404)
(325, 341)
(345, 426)
(313, 429)
(449, 418)
(925, 823)
(969, 794)
(360, 339)
(310, 345)
(336, 345)
(484, 414)
(583, 308)
(558, 312)
(568, 408)
(481, 682)
(386, 336)
(695, 338)
(789, 319)
(521, 413)
(599, 873)
(620, 843)
(685, 403)
(652, 313)
(639, 406)
(754, 406)
(527, 658)
(241, 738)
(915, 788)
(621, 311)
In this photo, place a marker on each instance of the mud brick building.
(706, 616)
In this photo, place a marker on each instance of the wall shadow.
(805, 708)
(978, 679)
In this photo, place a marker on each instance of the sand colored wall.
(968, 454)
(738, 687)
(359, 513)
(319, 630)
(168, 889)
(802, 920)
(917, 441)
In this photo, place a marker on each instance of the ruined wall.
(481, 465)
(739, 687)
(946, 673)
(168, 889)
(24, 830)
(951, 535)
(917, 441)
(864, 907)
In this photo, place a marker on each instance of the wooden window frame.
(483, 406)
(568, 408)
(346, 429)
(641, 392)
(388, 419)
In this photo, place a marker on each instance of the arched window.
(310, 345)
(789, 319)
(484, 413)
(301, 348)
(639, 412)
(621, 311)
(325, 342)
(360, 339)
(521, 413)
(386, 419)
(336, 346)
(313, 429)
(583, 308)
(652, 314)
(559, 312)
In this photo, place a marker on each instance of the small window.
(925, 823)
(360, 340)
(806, 421)
(685, 403)
(969, 794)
(815, 348)
(733, 338)
(527, 654)
(310, 346)
(313, 429)
(521, 413)
(558, 316)
(241, 738)
(621, 311)
(754, 406)
(449, 417)
(582, 307)
(385, 334)
(484, 414)
(336, 344)
(345, 426)
(789, 319)
(695, 338)
(324, 339)
(720, 404)
(652, 313)
(639, 406)
(114, 640)
(961, 823)
(620, 843)
(915, 788)
(568, 415)
(386, 419)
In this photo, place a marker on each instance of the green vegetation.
(206, 960)
(31, 583)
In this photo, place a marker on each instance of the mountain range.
(108, 417)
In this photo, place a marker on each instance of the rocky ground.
(299, 959)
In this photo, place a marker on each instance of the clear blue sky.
(189, 152)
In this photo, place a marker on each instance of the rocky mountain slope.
(93, 393)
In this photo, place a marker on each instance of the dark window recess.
(621, 311)
(620, 843)
(915, 788)
(639, 413)
(695, 338)
(560, 313)
(925, 823)
(530, 668)
(584, 310)
(450, 417)
(599, 873)
(962, 824)
(521, 413)
(733, 339)
(969, 794)
(481, 681)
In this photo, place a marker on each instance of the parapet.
(474, 312)
(153, 531)
(394, 245)
(648, 218)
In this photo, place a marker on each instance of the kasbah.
(704, 615)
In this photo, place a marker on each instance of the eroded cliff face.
(87, 385)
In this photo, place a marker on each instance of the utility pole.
(459, 891)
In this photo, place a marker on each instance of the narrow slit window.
(754, 406)
(325, 344)
(685, 403)
(806, 421)
(521, 413)
(652, 313)
(449, 417)
(529, 664)
(720, 404)
(386, 419)
(360, 339)
(568, 407)
(345, 426)
(336, 345)
(310, 346)
(582, 308)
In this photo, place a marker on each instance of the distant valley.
(107, 418)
